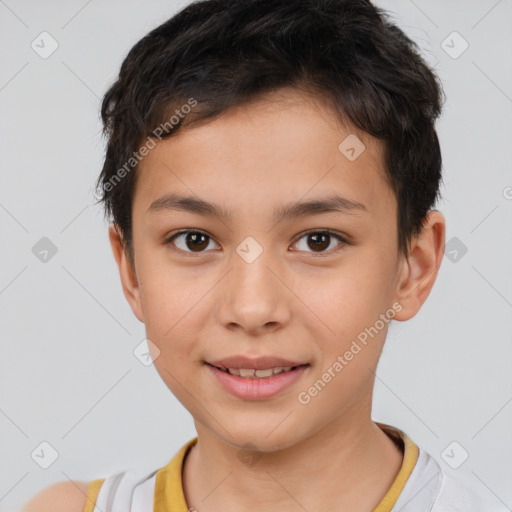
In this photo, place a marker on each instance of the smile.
(257, 384)
(252, 373)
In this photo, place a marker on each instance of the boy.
(270, 172)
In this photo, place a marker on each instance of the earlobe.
(419, 271)
(127, 272)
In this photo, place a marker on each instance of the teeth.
(246, 372)
(252, 373)
(264, 373)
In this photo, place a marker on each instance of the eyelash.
(343, 241)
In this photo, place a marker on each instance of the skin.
(291, 302)
(69, 496)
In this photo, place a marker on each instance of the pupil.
(321, 239)
(195, 237)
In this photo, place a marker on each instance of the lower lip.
(257, 388)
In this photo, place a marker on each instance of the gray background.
(68, 375)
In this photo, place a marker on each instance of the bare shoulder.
(59, 497)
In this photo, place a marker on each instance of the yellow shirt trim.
(168, 486)
(411, 453)
(93, 489)
(169, 496)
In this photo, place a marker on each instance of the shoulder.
(456, 494)
(60, 497)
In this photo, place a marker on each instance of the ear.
(126, 272)
(420, 268)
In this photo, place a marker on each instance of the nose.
(252, 297)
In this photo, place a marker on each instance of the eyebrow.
(333, 203)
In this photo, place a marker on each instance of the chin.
(264, 437)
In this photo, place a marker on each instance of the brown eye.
(319, 241)
(190, 241)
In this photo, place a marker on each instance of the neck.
(345, 466)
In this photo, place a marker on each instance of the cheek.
(344, 302)
(167, 309)
(167, 294)
(345, 312)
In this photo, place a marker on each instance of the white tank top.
(428, 489)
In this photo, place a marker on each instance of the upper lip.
(258, 363)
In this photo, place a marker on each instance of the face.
(252, 276)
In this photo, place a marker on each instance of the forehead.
(281, 147)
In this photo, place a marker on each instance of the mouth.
(254, 384)
(260, 373)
